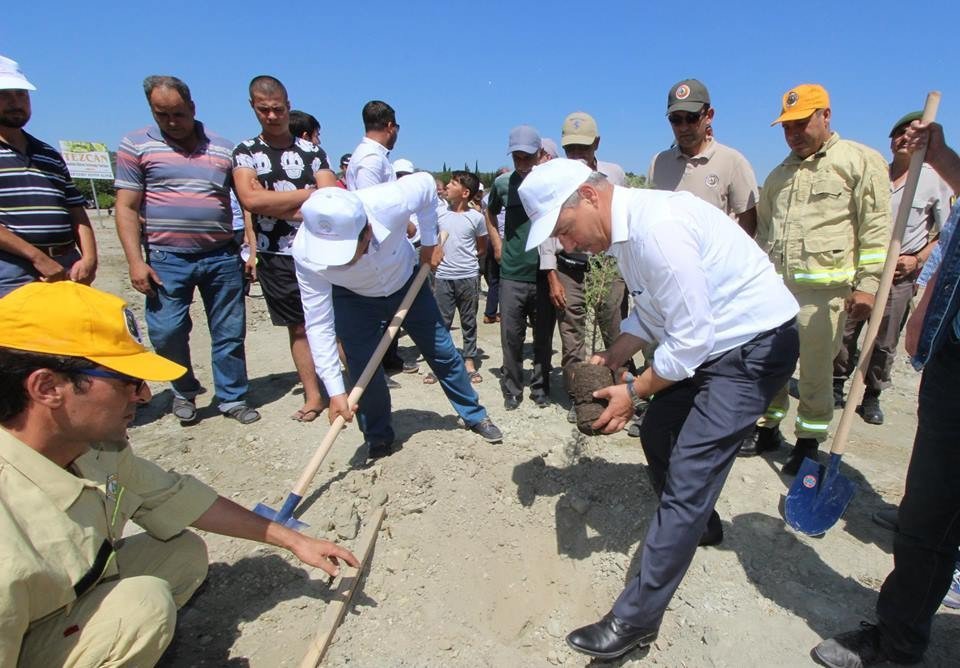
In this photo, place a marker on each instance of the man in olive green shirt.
(73, 590)
(523, 287)
(824, 219)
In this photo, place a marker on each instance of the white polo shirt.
(699, 285)
(383, 270)
(369, 165)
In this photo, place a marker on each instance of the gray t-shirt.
(460, 249)
(931, 206)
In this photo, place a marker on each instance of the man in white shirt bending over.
(727, 338)
(354, 266)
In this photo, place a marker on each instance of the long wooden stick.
(337, 608)
(855, 395)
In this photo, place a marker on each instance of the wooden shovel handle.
(855, 395)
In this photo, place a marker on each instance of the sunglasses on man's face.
(687, 118)
(137, 383)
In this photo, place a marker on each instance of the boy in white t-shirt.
(457, 285)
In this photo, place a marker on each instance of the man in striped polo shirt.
(44, 231)
(177, 176)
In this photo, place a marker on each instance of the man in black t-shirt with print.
(274, 174)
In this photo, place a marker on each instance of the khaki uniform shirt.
(825, 220)
(718, 174)
(58, 526)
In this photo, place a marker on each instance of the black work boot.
(762, 439)
(838, 400)
(869, 409)
(805, 447)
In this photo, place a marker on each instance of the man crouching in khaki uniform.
(73, 591)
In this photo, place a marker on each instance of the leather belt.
(58, 249)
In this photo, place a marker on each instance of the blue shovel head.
(285, 516)
(818, 497)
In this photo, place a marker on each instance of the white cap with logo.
(545, 190)
(333, 218)
(12, 77)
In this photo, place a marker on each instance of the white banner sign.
(86, 159)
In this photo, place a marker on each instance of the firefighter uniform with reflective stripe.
(825, 222)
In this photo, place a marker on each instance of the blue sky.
(460, 75)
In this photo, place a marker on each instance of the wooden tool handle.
(855, 396)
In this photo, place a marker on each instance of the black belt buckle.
(57, 251)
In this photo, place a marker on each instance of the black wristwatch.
(635, 398)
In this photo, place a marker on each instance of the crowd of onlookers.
(335, 251)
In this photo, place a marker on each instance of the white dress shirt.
(369, 165)
(384, 269)
(699, 285)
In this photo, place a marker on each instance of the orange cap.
(801, 101)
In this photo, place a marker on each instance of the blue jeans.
(219, 277)
(928, 521)
(360, 323)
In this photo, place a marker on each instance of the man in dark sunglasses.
(698, 163)
(74, 589)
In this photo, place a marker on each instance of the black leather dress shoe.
(510, 402)
(713, 534)
(610, 637)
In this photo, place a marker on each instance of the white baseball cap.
(333, 218)
(550, 147)
(545, 190)
(12, 77)
(403, 166)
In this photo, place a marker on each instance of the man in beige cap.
(75, 589)
(44, 230)
(698, 163)
(567, 272)
(824, 219)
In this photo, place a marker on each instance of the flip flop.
(475, 377)
(429, 379)
(184, 410)
(308, 415)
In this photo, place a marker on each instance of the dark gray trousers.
(460, 295)
(518, 301)
(690, 434)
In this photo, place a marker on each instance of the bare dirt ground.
(490, 554)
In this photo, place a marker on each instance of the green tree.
(636, 180)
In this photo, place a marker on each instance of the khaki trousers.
(127, 621)
(572, 321)
(821, 321)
